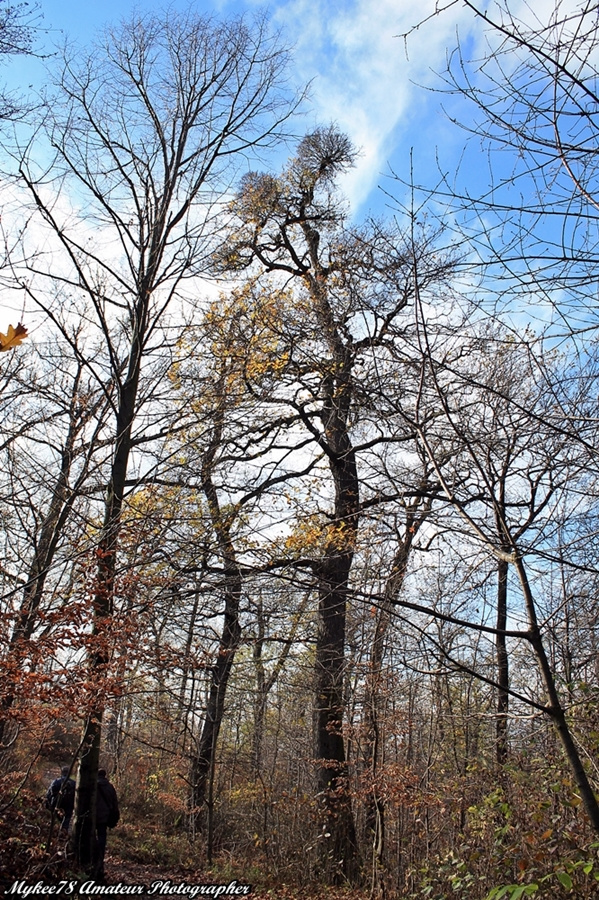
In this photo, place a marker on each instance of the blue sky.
(351, 51)
(364, 77)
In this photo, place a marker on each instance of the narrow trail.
(181, 883)
(187, 884)
(138, 873)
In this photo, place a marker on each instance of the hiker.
(107, 816)
(61, 798)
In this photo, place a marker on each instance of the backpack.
(66, 799)
(57, 800)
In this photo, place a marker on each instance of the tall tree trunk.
(103, 602)
(555, 708)
(375, 809)
(338, 830)
(265, 684)
(261, 694)
(203, 763)
(501, 741)
(339, 846)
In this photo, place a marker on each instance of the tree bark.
(204, 760)
(103, 602)
(340, 852)
(375, 808)
(501, 740)
(556, 710)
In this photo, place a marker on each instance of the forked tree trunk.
(375, 807)
(202, 774)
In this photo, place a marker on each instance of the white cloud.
(363, 78)
(368, 80)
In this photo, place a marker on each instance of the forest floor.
(181, 884)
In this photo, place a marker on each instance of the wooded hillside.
(298, 512)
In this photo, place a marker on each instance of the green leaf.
(565, 879)
(515, 891)
(588, 868)
(522, 889)
(497, 893)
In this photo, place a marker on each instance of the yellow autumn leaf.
(12, 338)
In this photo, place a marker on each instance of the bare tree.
(530, 231)
(19, 27)
(339, 292)
(143, 132)
(513, 465)
(51, 450)
(531, 102)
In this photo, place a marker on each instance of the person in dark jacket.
(61, 797)
(107, 816)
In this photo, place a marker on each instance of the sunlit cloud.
(366, 77)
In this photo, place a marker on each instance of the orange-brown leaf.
(12, 338)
